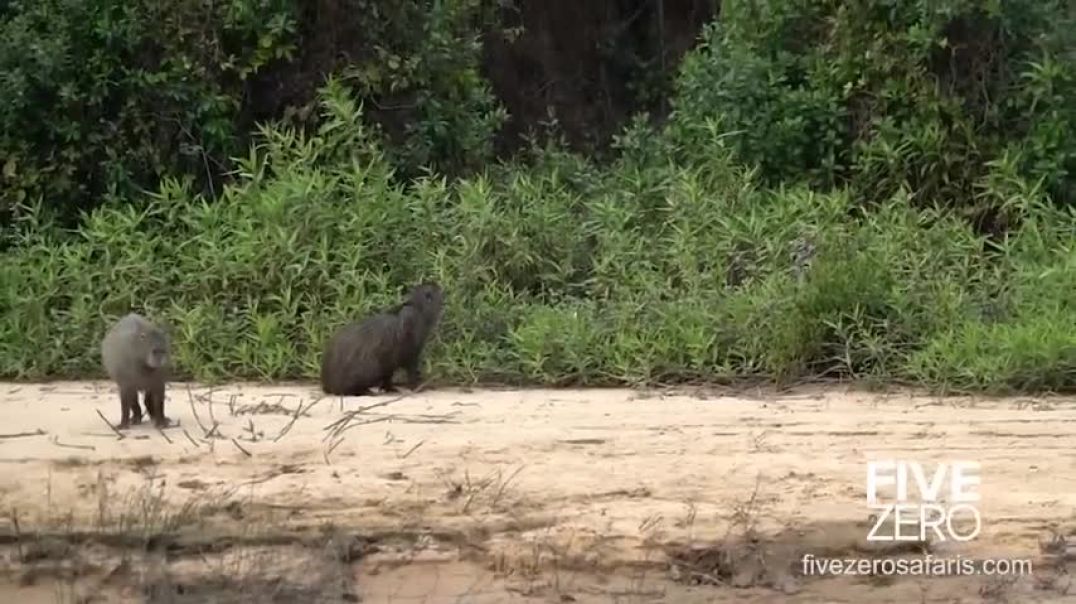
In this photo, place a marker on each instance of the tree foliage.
(939, 99)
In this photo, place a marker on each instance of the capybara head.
(428, 297)
(155, 348)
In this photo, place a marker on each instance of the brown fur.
(135, 353)
(362, 355)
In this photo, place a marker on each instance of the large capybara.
(135, 353)
(362, 355)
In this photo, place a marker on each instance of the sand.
(514, 495)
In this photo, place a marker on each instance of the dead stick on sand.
(298, 409)
(340, 432)
(121, 435)
(240, 447)
(425, 419)
(212, 418)
(504, 485)
(38, 432)
(56, 441)
(331, 449)
(18, 531)
(337, 426)
(294, 418)
(193, 442)
(411, 450)
(312, 403)
(190, 398)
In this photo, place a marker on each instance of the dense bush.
(99, 98)
(556, 272)
(733, 241)
(924, 96)
(102, 99)
(422, 76)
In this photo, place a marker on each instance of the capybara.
(135, 353)
(367, 354)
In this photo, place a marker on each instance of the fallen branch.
(121, 435)
(193, 442)
(331, 449)
(252, 430)
(240, 447)
(295, 417)
(425, 419)
(56, 441)
(340, 432)
(38, 432)
(190, 399)
(213, 418)
(314, 402)
(334, 429)
(411, 450)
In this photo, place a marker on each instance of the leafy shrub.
(734, 242)
(1024, 337)
(555, 271)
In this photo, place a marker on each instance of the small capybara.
(362, 355)
(135, 353)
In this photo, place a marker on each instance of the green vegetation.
(921, 152)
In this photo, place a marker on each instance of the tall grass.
(557, 271)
